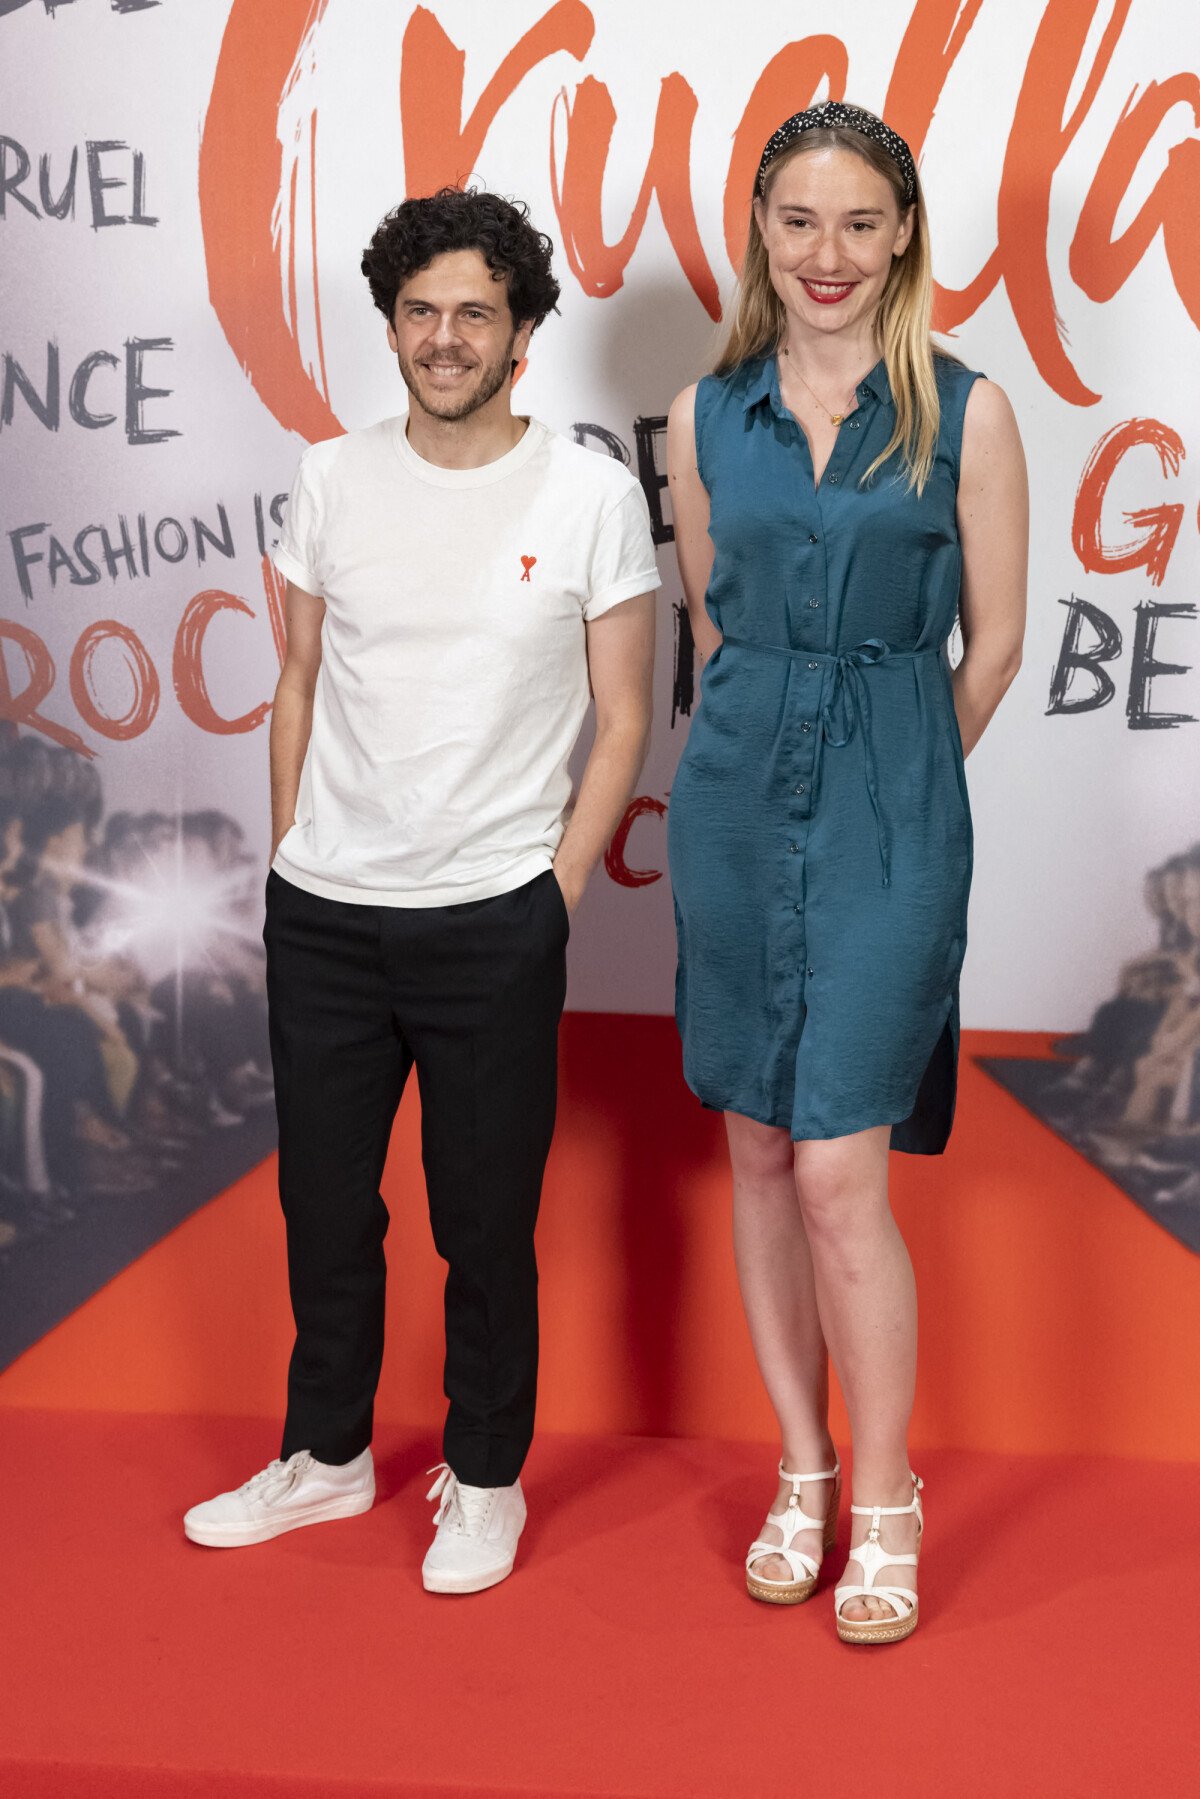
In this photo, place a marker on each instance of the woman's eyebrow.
(855, 212)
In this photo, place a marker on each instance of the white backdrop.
(1070, 809)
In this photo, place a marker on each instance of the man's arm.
(291, 716)
(620, 649)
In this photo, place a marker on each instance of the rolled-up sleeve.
(296, 555)
(623, 563)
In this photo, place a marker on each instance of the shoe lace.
(277, 1477)
(463, 1510)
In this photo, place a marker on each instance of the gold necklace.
(835, 418)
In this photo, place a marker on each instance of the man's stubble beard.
(493, 378)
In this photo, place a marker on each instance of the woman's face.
(832, 228)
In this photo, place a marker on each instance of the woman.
(842, 491)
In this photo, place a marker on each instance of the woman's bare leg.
(775, 1272)
(867, 1301)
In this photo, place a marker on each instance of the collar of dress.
(763, 384)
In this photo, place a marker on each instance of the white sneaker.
(283, 1497)
(477, 1533)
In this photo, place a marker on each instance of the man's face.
(453, 335)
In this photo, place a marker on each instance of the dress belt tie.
(849, 702)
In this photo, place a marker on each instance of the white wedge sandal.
(789, 1524)
(871, 1556)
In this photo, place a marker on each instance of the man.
(454, 579)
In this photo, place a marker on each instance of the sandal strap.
(808, 1569)
(796, 1479)
(894, 1511)
(890, 1596)
(793, 1521)
(887, 1511)
(871, 1557)
(789, 1523)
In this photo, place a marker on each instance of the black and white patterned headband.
(850, 118)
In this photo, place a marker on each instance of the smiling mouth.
(446, 368)
(828, 293)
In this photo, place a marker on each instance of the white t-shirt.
(453, 680)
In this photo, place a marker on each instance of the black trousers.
(471, 995)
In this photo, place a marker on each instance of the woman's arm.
(993, 526)
(689, 509)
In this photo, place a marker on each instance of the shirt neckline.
(528, 444)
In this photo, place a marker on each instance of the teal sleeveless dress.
(819, 828)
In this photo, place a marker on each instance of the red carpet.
(1058, 1652)
(1056, 1318)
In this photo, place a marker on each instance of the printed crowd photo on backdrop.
(514, 526)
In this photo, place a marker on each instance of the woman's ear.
(904, 237)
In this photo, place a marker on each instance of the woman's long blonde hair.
(903, 323)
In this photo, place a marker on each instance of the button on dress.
(819, 827)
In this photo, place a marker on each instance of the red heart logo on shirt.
(527, 563)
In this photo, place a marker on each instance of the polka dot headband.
(848, 118)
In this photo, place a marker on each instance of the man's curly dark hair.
(409, 237)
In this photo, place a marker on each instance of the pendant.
(835, 418)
